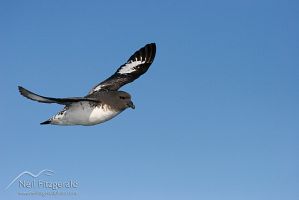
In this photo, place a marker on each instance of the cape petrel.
(104, 101)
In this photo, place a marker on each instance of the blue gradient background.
(216, 115)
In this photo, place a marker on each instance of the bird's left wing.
(136, 65)
(63, 101)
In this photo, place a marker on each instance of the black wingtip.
(152, 54)
(21, 89)
(46, 122)
(148, 52)
(152, 44)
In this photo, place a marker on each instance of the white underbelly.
(82, 113)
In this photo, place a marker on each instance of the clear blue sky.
(216, 115)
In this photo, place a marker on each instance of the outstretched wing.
(64, 101)
(137, 65)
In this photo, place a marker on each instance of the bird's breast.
(83, 113)
(101, 114)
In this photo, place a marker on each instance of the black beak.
(131, 105)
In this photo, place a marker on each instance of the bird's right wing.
(136, 65)
(64, 101)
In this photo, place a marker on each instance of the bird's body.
(83, 113)
(107, 105)
(104, 101)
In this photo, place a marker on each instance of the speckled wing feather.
(137, 65)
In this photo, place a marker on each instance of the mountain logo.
(46, 172)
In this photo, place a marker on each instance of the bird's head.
(125, 98)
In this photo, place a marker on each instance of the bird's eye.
(121, 97)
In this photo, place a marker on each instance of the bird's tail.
(46, 122)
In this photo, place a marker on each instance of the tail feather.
(46, 122)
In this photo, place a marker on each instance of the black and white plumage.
(103, 101)
(136, 65)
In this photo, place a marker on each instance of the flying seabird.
(104, 101)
